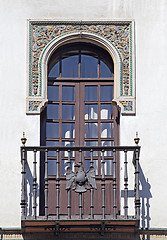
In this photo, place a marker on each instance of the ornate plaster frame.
(117, 37)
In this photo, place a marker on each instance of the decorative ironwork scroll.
(118, 33)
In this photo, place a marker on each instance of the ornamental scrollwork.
(118, 34)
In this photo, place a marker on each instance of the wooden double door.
(81, 113)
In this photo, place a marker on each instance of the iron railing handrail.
(83, 148)
(102, 149)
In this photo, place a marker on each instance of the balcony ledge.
(53, 226)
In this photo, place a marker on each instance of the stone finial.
(137, 139)
(23, 139)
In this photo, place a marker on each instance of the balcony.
(76, 200)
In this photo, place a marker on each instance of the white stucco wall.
(150, 120)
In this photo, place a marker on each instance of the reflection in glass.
(52, 111)
(68, 144)
(106, 130)
(70, 66)
(68, 93)
(107, 144)
(91, 130)
(52, 144)
(88, 66)
(89, 144)
(64, 165)
(90, 93)
(51, 167)
(104, 70)
(106, 93)
(90, 112)
(54, 72)
(52, 130)
(68, 130)
(53, 93)
(106, 111)
(95, 165)
(108, 167)
(68, 112)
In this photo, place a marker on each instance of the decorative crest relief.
(80, 180)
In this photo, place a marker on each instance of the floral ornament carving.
(119, 34)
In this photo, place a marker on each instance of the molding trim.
(117, 37)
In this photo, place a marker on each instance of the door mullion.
(99, 131)
(60, 114)
(82, 114)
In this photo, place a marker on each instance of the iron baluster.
(57, 184)
(80, 205)
(69, 190)
(34, 184)
(46, 183)
(23, 184)
(114, 185)
(80, 194)
(125, 186)
(91, 190)
(137, 196)
(103, 184)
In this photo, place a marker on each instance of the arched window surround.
(126, 103)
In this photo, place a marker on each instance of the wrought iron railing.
(30, 210)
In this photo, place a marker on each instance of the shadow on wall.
(145, 195)
(29, 191)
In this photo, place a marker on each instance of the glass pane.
(104, 70)
(106, 111)
(65, 165)
(54, 72)
(52, 130)
(68, 112)
(108, 167)
(68, 93)
(90, 93)
(107, 144)
(51, 167)
(90, 112)
(95, 165)
(106, 130)
(91, 144)
(52, 144)
(52, 111)
(70, 66)
(88, 66)
(68, 130)
(91, 130)
(106, 93)
(53, 93)
(68, 144)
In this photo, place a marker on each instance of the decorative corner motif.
(33, 105)
(128, 105)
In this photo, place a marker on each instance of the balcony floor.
(71, 229)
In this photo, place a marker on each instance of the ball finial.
(137, 139)
(23, 139)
